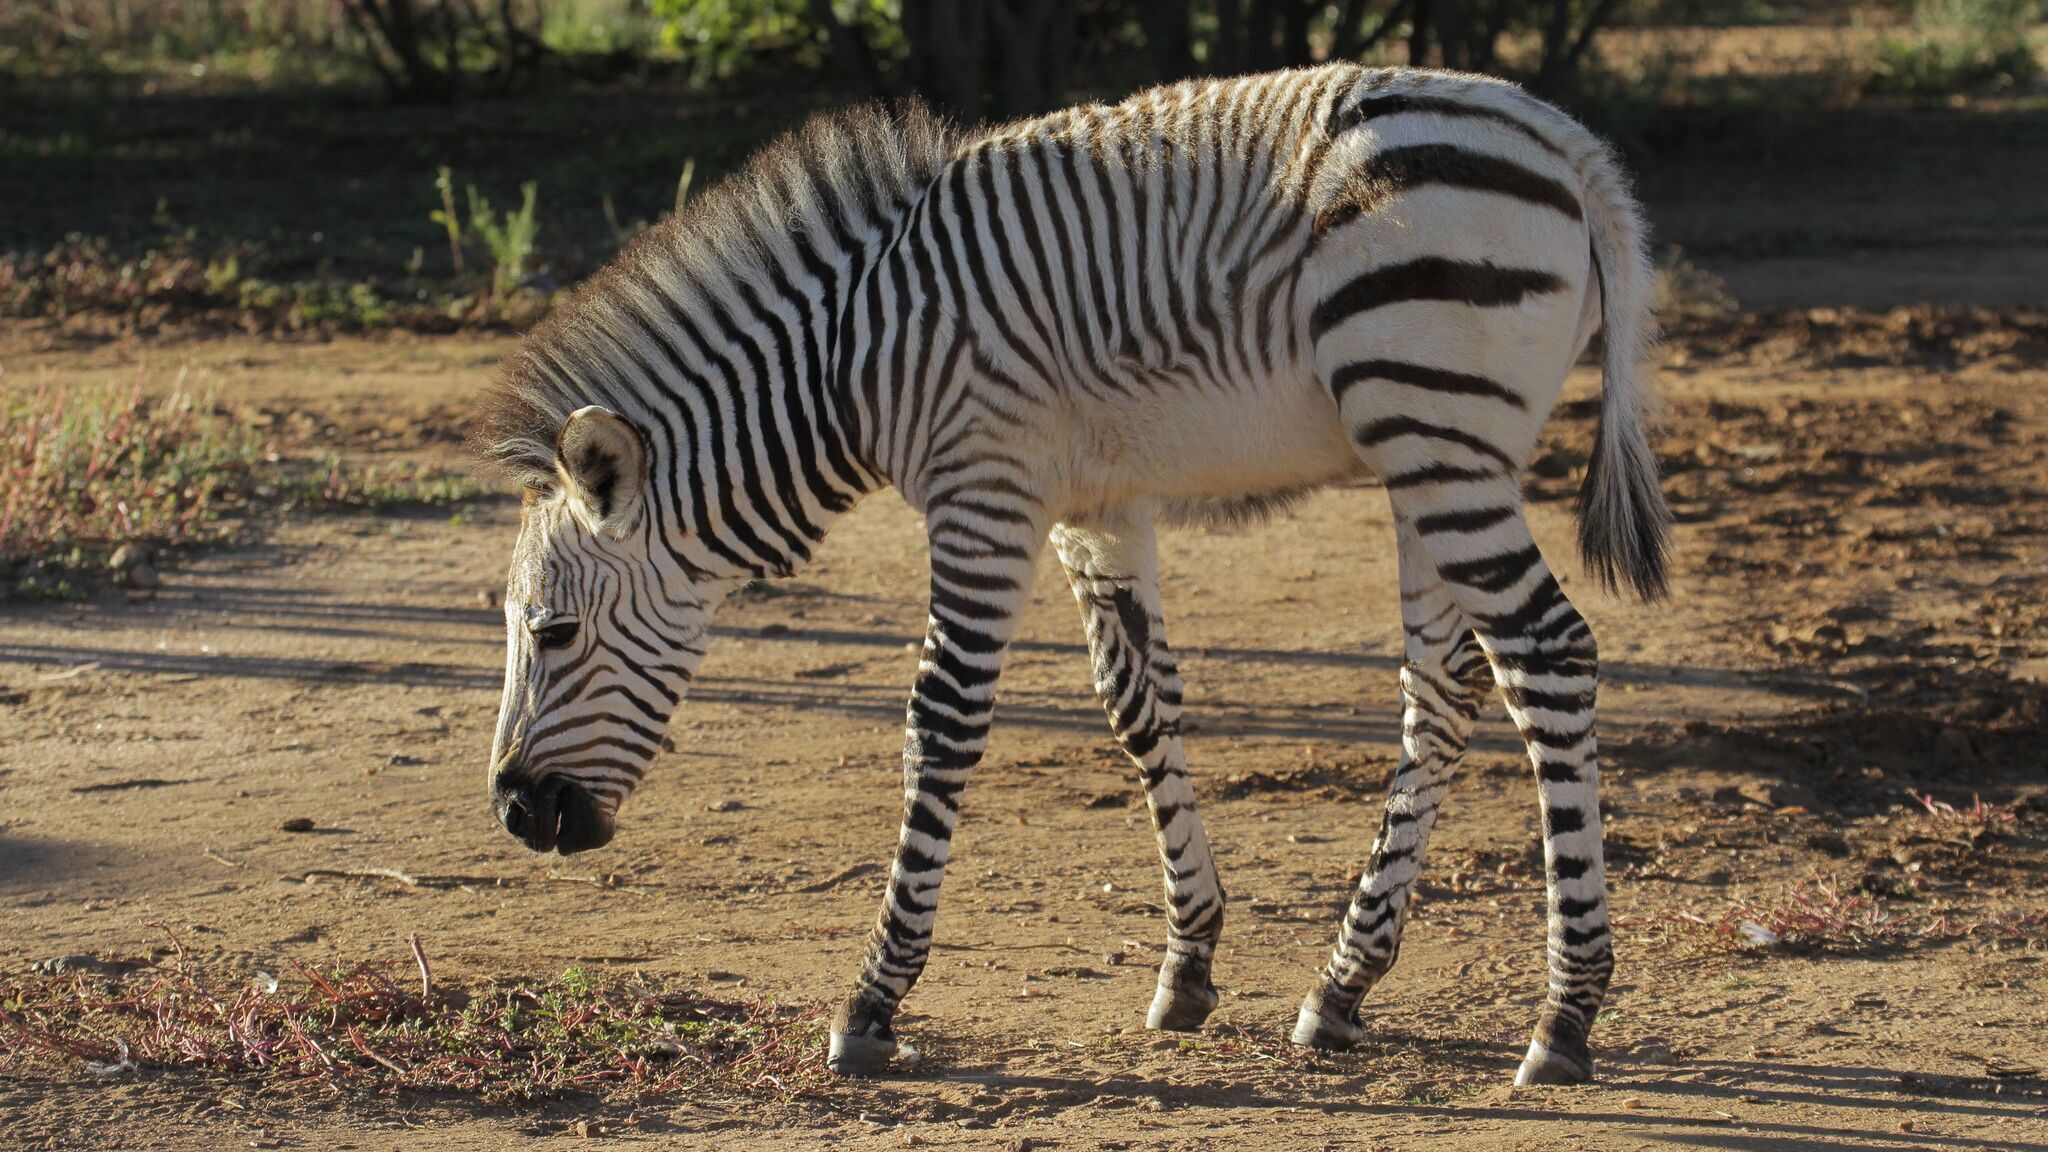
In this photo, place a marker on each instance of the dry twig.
(419, 957)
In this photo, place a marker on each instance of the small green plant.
(510, 241)
(508, 238)
(84, 470)
(447, 217)
(339, 483)
(1959, 47)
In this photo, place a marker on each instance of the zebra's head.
(603, 634)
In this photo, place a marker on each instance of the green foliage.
(83, 470)
(339, 483)
(257, 39)
(508, 239)
(174, 281)
(88, 468)
(719, 39)
(596, 27)
(1715, 13)
(1959, 47)
(447, 217)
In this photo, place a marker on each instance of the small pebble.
(724, 804)
(297, 824)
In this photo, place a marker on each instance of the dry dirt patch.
(1855, 626)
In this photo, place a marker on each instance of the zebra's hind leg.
(984, 546)
(1546, 664)
(1443, 682)
(1113, 568)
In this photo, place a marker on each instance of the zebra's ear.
(603, 465)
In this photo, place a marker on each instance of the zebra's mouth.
(556, 815)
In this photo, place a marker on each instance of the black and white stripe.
(1194, 304)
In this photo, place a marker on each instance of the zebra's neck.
(717, 333)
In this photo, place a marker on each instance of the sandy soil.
(1858, 614)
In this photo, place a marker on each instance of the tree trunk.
(1424, 19)
(948, 42)
(1260, 25)
(1295, 49)
(1227, 54)
(398, 28)
(1168, 39)
(850, 49)
(1565, 48)
(1449, 32)
(1349, 40)
(1033, 44)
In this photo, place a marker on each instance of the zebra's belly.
(1232, 447)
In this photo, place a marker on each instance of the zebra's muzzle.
(553, 814)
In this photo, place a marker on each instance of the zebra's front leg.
(1113, 569)
(981, 574)
(1443, 683)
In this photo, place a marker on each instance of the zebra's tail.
(1624, 524)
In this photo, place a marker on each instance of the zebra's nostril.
(553, 813)
(518, 819)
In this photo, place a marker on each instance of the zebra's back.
(1145, 284)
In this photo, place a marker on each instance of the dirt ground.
(1857, 616)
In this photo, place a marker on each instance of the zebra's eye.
(559, 634)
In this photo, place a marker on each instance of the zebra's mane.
(850, 173)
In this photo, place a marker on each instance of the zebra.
(1192, 306)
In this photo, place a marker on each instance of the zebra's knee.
(1468, 666)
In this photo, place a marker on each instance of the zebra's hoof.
(1313, 1029)
(1544, 1065)
(859, 1054)
(1180, 1009)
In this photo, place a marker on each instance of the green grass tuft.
(1959, 47)
(85, 470)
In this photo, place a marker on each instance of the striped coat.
(1191, 306)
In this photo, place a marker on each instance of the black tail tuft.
(1624, 524)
